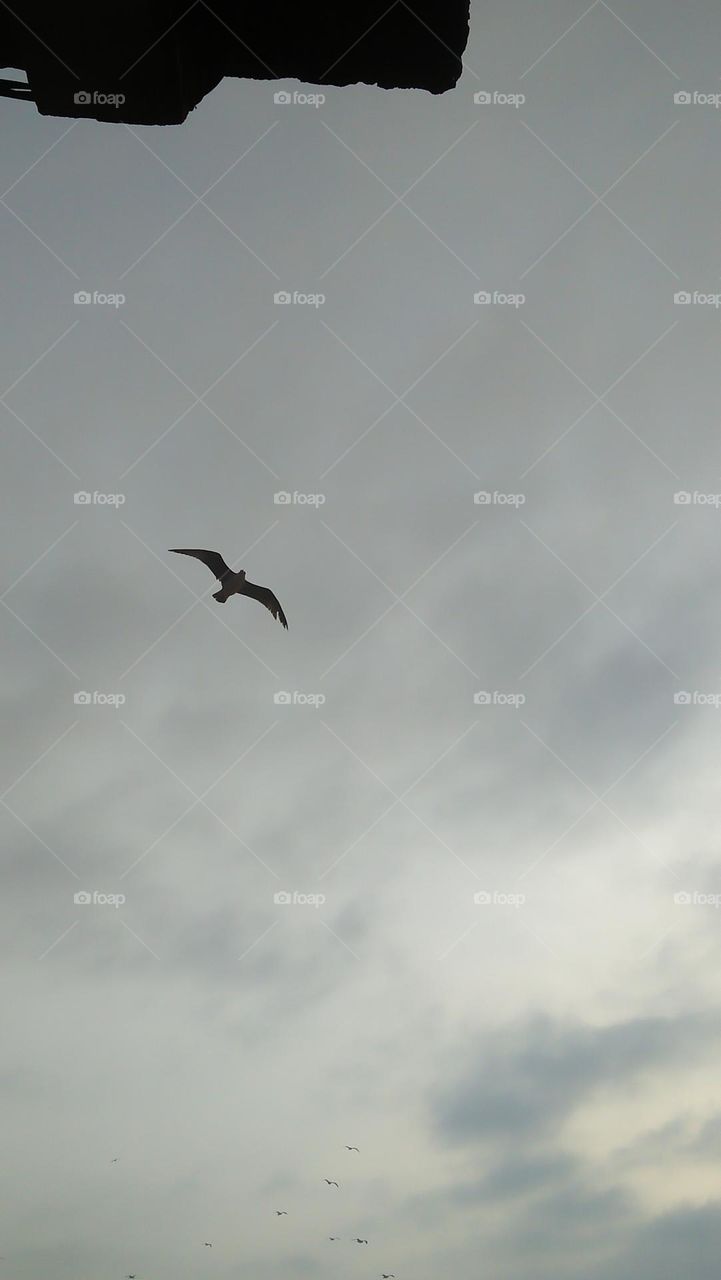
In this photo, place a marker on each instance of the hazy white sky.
(496, 992)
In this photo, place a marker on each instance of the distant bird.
(331, 1183)
(280, 1212)
(350, 1148)
(234, 584)
(114, 1160)
(132, 1277)
(334, 1237)
(359, 1241)
(207, 1244)
(388, 1275)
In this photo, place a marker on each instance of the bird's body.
(234, 584)
(350, 1148)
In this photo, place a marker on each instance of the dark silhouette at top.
(234, 584)
(152, 63)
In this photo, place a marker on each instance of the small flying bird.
(388, 1275)
(207, 1244)
(350, 1148)
(130, 1277)
(331, 1183)
(114, 1160)
(334, 1237)
(280, 1212)
(359, 1241)
(234, 584)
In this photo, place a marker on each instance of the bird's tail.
(220, 596)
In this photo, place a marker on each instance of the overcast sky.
(480, 791)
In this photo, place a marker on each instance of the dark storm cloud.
(530, 1078)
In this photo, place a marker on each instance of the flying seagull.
(331, 1183)
(234, 584)
(359, 1241)
(281, 1212)
(350, 1148)
(207, 1244)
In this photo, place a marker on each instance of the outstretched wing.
(213, 559)
(266, 597)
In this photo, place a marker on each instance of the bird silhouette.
(207, 1244)
(114, 1160)
(330, 1182)
(281, 1212)
(234, 584)
(359, 1241)
(350, 1148)
(334, 1237)
(388, 1275)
